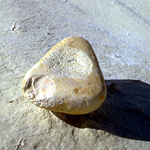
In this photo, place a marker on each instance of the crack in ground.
(14, 27)
(19, 145)
(28, 19)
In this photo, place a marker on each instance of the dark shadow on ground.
(125, 112)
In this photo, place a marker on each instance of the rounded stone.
(67, 79)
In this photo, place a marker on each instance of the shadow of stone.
(125, 112)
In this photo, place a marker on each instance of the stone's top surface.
(67, 79)
(119, 33)
(69, 62)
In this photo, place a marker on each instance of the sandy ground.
(119, 32)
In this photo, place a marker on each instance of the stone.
(67, 79)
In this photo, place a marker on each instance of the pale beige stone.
(67, 79)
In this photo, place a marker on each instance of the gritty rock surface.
(119, 33)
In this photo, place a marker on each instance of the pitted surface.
(69, 62)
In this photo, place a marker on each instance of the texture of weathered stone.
(67, 79)
(119, 33)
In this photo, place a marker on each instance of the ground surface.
(119, 32)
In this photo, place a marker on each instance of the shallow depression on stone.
(69, 62)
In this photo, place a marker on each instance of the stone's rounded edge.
(97, 103)
(23, 85)
(73, 41)
(24, 82)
